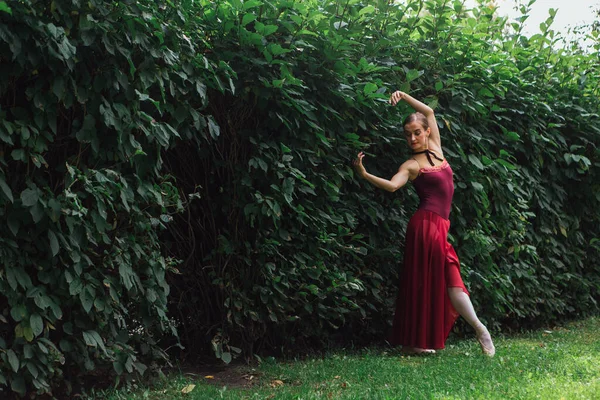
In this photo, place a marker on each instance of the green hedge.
(232, 124)
(283, 247)
(90, 94)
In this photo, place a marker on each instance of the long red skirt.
(424, 315)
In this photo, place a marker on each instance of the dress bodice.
(435, 188)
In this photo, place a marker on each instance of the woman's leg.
(462, 304)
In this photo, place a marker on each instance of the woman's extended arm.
(397, 181)
(424, 109)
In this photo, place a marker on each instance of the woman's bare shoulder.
(412, 167)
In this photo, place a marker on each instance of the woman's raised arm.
(424, 109)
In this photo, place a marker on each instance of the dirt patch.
(232, 376)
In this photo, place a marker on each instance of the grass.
(562, 363)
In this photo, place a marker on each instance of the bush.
(90, 94)
(283, 246)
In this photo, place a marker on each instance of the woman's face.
(416, 135)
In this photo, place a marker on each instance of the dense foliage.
(285, 245)
(90, 93)
(233, 124)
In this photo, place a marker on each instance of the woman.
(432, 293)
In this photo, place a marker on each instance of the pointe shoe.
(485, 341)
(416, 351)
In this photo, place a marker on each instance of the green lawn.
(562, 363)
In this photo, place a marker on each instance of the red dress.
(424, 315)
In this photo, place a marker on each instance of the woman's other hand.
(396, 97)
(358, 165)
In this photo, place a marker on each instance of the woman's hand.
(358, 165)
(396, 97)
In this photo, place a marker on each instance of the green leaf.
(18, 155)
(68, 328)
(201, 89)
(52, 29)
(512, 135)
(42, 346)
(132, 68)
(13, 360)
(88, 130)
(486, 160)
(19, 331)
(5, 8)
(568, 158)
(89, 339)
(56, 310)
(87, 299)
(141, 368)
(252, 4)
(54, 247)
(13, 223)
(23, 278)
(6, 189)
(28, 333)
(18, 385)
(213, 127)
(37, 324)
(475, 161)
(65, 345)
(367, 10)
(477, 185)
(37, 212)
(433, 103)
(226, 357)
(412, 74)
(75, 287)
(28, 351)
(32, 369)
(277, 49)
(11, 277)
(486, 92)
(118, 367)
(29, 197)
(248, 18)
(370, 88)
(18, 312)
(269, 30)
(98, 339)
(58, 87)
(55, 209)
(506, 164)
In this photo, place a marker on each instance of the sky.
(570, 13)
